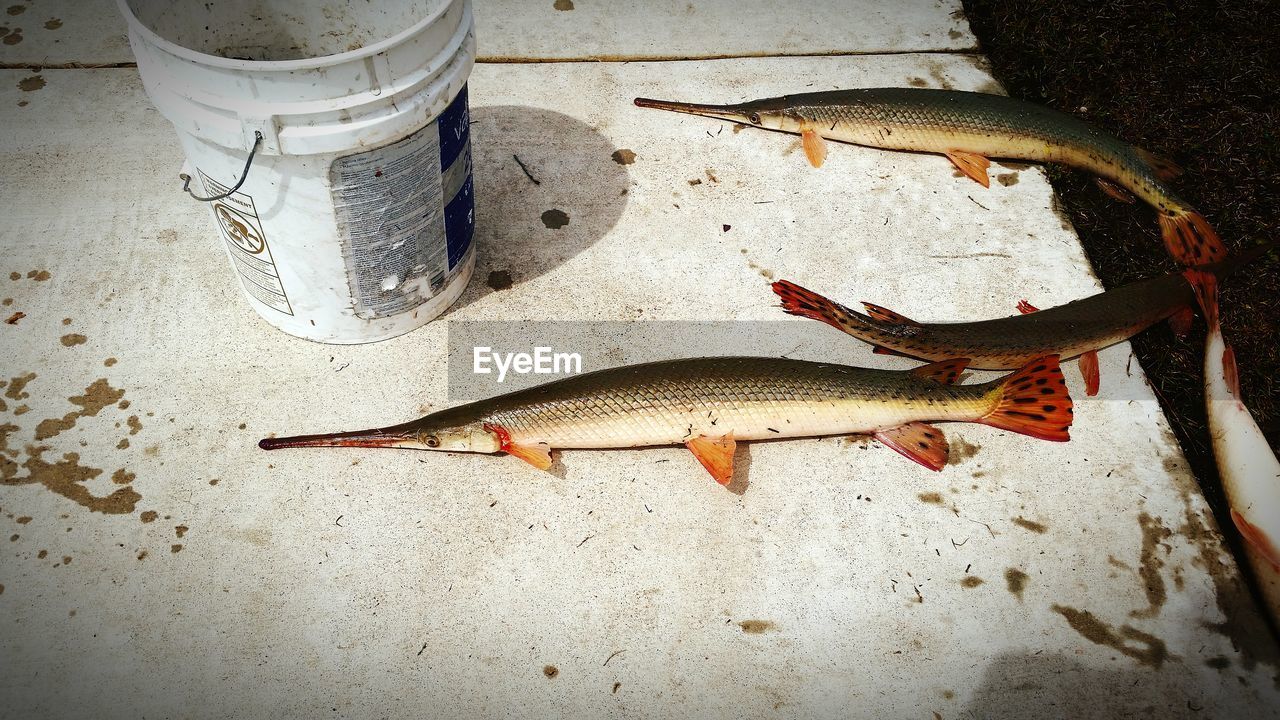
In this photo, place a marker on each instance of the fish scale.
(668, 402)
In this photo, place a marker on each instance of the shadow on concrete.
(525, 229)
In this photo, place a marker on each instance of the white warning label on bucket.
(237, 220)
(391, 209)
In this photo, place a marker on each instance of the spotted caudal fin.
(1190, 239)
(807, 303)
(1033, 401)
(1164, 168)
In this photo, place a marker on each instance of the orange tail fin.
(807, 303)
(1190, 239)
(1034, 401)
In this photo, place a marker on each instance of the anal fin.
(715, 454)
(945, 372)
(815, 147)
(971, 164)
(1027, 308)
(1089, 371)
(918, 441)
(1180, 322)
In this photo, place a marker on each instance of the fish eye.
(432, 441)
(754, 118)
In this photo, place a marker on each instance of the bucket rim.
(311, 63)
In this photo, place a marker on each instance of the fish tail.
(1190, 239)
(1033, 401)
(809, 304)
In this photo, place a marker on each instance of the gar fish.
(970, 127)
(1250, 472)
(707, 404)
(1078, 328)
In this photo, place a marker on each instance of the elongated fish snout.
(734, 113)
(383, 437)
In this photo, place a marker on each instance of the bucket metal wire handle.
(186, 179)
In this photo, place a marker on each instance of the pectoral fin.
(815, 147)
(715, 454)
(536, 454)
(918, 441)
(975, 166)
(1027, 308)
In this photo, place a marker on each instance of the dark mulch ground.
(1196, 81)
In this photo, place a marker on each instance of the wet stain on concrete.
(149, 516)
(499, 280)
(29, 84)
(555, 219)
(66, 477)
(1016, 581)
(918, 82)
(52, 24)
(955, 34)
(122, 477)
(551, 671)
(1218, 663)
(563, 5)
(971, 581)
(17, 9)
(175, 548)
(135, 425)
(109, 362)
(73, 339)
(38, 275)
(180, 531)
(1154, 535)
(1031, 525)
(961, 450)
(1149, 649)
(97, 396)
(755, 627)
(932, 498)
(623, 156)
(13, 38)
(1242, 624)
(1007, 179)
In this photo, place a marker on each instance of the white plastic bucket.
(354, 221)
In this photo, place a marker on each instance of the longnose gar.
(970, 127)
(1250, 472)
(707, 404)
(1078, 328)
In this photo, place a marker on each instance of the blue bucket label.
(406, 214)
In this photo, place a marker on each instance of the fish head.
(769, 113)
(457, 429)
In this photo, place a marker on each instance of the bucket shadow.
(524, 228)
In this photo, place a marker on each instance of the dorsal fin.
(945, 372)
(885, 315)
